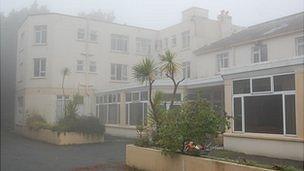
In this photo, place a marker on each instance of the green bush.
(83, 124)
(195, 121)
(36, 122)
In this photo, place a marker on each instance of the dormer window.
(259, 53)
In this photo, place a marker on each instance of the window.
(259, 53)
(136, 108)
(290, 114)
(108, 108)
(135, 96)
(60, 106)
(93, 36)
(173, 41)
(158, 45)
(271, 111)
(222, 61)
(284, 82)
(186, 70)
(119, 72)
(300, 46)
(237, 114)
(144, 96)
(241, 86)
(119, 43)
(80, 34)
(92, 66)
(143, 46)
(186, 39)
(80, 65)
(39, 67)
(40, 34)
(261, 84)
(166, 43)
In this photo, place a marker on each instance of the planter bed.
(57, 138)
(219, 160)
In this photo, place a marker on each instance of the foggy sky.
(157, 14)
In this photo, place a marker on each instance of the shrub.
(195, 121)
(36, 122)
(83, 124)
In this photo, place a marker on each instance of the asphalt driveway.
(19, 153)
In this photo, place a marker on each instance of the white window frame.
(81, 32)
(119, 43)
(158, 45)
(94, 34)
(222, 60)
(41, 70)
(108, 102)
(299, 44)
(173, 41)
(265, 93)
(136, 101)
(93, 65)
(41, 31)
(185, 39)
(124, 72)
(259, 53)
(166, 43)
(80, 63)
(143, 46)
(186, 68)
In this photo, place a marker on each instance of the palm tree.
(171, 68)
(145, 72)
(65, 72)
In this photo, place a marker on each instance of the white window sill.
(122, 52)
(40, 44)
(119, 81)
(89, 41)
(38, 77)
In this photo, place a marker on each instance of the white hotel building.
(255, 74)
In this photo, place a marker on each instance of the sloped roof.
(265, 30)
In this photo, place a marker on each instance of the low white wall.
(271, 148)
(121, 131)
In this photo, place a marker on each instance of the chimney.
(224, 18)
(188, 14)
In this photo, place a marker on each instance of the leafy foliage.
(171, 68)
(36, 122)
(72, 122)
(195, 121)
(80, 124)
(145, 71)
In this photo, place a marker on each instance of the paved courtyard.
(19, 153)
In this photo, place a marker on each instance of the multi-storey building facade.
(255, 75)
(99, 56)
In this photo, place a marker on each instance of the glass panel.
(127, 114)
(128, 97)
(144, 96)
(119, 72)
(136, 113)
(290, 114)
(135, 96)
(237, 106)
(264, 114)
(36, 67)
(263, 53)
(261, 84)
(103, 115)
(241, 86)
(284, 82)
(113, 113)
